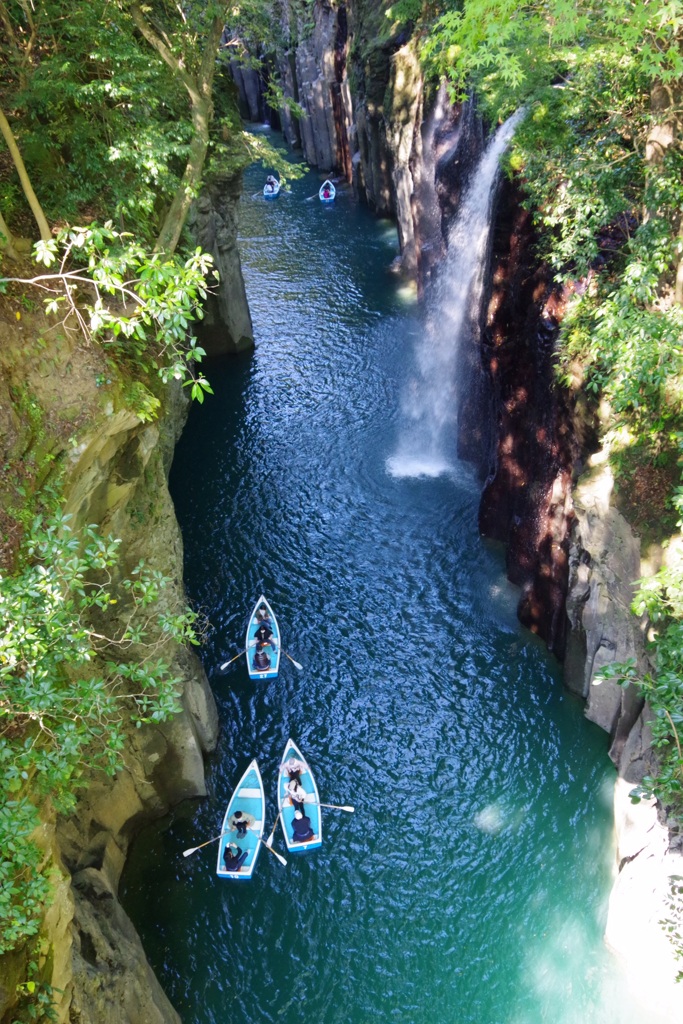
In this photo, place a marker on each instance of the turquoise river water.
(471, 883)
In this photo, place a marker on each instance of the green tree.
(194, 66)
(83, 650)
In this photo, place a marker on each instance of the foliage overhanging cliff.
(600, 159)
(114, 111)
(111, 114)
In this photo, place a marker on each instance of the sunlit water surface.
(471, 884)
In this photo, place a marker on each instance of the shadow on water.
(471, 883)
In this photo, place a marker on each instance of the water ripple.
(471, 883)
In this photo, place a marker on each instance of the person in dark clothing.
(301, 827)
(296, 793)
(263, 635)
(261, 660)
(233, 857)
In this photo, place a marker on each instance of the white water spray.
(429, 409)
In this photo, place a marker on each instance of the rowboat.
(262, 615)
(291, 756)
(271, 190)
(248, 798)
(327, 192)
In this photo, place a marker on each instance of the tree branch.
(8, 244)
(36, 208)
(155, 41)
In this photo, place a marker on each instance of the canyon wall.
(119, 480)
(548, 495)
(226, 327)
(370, 120)
(113, 462)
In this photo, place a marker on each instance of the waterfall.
(428, 424)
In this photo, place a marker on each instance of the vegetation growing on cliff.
(110, 112)
(113, 108)
(81, 653)
(600, 155)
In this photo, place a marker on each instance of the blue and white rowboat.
(272, 648)
(271, 190)
(327, 192)
(249, 798)
(311, 802)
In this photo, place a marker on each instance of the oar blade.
(223, 667)
(187, 853)
(269, 840)
(270, 848)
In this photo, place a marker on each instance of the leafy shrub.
(81, 654)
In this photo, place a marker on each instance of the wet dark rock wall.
(526, 500)
(226, 327)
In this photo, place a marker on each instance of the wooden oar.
(308, 198)
(294, 663)
(222, 668)
(269, 840)
(270, 848)
(187, 853)
(338, 807)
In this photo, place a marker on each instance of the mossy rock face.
(377, 73)
(12, 973)
(49, 393)
(62, 407)
(226, 327)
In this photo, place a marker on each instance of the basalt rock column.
(226, 327)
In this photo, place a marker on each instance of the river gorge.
(387, 451)
(472, 882)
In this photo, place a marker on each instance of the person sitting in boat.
(263, 615)
(264, 635)
(326, 191)
(240, 821)
(234, 857)
(271, 182)
(301, 827)
(261, 660)
(293, 767)
(296, 793)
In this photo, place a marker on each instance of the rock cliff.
(226, 327)
(362, 94)
(605, 562)
(548, 495)
(113, 463)
(119, 480)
